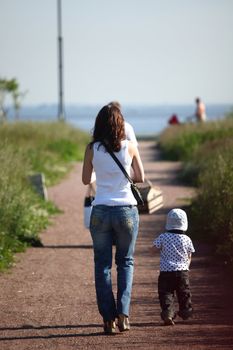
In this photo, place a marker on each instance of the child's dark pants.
(169, 283)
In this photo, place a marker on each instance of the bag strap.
(118, 162)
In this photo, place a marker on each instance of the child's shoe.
(186, 314)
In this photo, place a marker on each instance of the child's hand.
(190, 258)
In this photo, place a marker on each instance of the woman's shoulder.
(89, 147)
(98, 146)
(132, 148)
(131, 144)
(94, 144)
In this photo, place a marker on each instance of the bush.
(181, 142)
(206, 151)
(22, 213)
(26, 148)
(49, 147)
(211, 212)
(203, 158)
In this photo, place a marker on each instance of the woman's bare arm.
(138, 171)
(87, 165)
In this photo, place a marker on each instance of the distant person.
(200, 112)
(174, 120)
(176, 249)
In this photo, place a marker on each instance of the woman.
(114, 215)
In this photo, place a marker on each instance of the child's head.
(177, 220)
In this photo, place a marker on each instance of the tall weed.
(211, 212)
(181, 142)
(207, 154)
(20, 208)
(49, 147)
(26, 148)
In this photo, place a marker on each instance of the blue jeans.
(118, 225)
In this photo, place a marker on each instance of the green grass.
(181, 142)
(207, 154)
(212, 210)
(49, 147)
(25, 149)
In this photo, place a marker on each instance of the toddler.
(176, 249)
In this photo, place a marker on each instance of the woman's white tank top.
(112, 187)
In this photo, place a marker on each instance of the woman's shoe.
(123, 323)
(109, 327)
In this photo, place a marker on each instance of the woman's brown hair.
(110, 127)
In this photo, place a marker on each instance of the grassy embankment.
(207, 154)
(25, 149)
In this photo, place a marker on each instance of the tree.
(17, 99)
(3, 92)
(11, 87)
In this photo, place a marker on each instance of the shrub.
(21, 215)
(202, 159)
(206, 151)
(49, 147)
(183, 141)
(211, 212)
(26, 148)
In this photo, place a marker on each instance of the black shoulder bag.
(134, 188)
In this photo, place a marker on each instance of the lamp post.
(61, 114)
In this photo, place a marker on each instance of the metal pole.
(61, 114)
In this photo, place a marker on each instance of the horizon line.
(129, 104)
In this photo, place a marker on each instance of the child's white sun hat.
(177, 220)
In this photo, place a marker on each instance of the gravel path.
(48, 301)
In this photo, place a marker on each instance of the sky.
(135, 51)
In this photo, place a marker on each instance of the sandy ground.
(48, 300)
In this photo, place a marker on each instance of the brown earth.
(48, 299)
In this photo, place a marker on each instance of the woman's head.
(110, 126)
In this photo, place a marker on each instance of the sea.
(147, 120)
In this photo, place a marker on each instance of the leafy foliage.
(26, 148)
(207, 155)
(181, 142)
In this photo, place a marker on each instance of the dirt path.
(48, 301)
